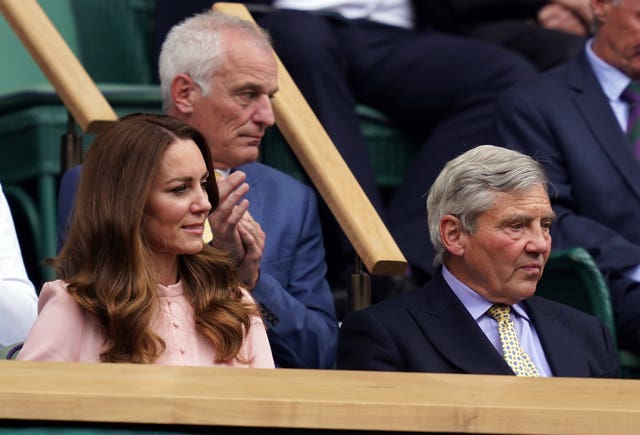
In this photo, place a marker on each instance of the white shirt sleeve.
(18, 300)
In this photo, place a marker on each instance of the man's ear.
(452, 235)
(600, 9)
(183, 93)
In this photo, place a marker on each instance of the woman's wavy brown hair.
(108, 263)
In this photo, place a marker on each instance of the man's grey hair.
(196, 47)
(467, 186)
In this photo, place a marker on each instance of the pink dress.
(63, 331)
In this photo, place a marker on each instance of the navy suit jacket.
(564, 120)
(430, 330)
(295, 299)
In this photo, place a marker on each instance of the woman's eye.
(179, 189)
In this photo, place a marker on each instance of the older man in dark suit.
(489, 219)
(574, 121)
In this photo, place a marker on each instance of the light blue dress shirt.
(613, 82)
(477, 306)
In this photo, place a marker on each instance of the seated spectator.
(137, 284)
(573, 121)
(218, 75)
(18, 300)
(439, 88)
(489, 217)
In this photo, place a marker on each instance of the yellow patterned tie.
(513, 353)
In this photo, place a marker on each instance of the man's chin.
(249, 156)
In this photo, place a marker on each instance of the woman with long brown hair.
(137, 283)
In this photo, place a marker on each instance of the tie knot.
(631, 93)
(500, 312)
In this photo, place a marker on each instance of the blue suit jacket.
(564, 120)
(430, 330)
(296, 301)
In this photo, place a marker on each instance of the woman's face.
(178, 204)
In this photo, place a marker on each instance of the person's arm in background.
(18, 299)
(572, 16)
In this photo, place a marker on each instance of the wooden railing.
(315, 399)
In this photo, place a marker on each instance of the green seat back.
(19, 70)
(572, 277)
(114, 39)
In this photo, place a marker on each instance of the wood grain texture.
(320, 399)
(328, 171)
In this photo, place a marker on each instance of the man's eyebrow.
(551, 217)
(516, 218)
(525, 218)
(255, 87)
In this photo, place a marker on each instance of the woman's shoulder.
(54, 291)
(247, 298)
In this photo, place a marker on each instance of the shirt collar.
(612, 80)
(475, 304)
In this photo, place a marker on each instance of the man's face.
(503, 261)
(618, 38)
(234, 116)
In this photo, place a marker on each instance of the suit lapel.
(594, 107)
(450, 328)
(563, 356)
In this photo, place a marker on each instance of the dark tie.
(631, 95)
(513, 353)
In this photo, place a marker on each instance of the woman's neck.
(166, 267)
